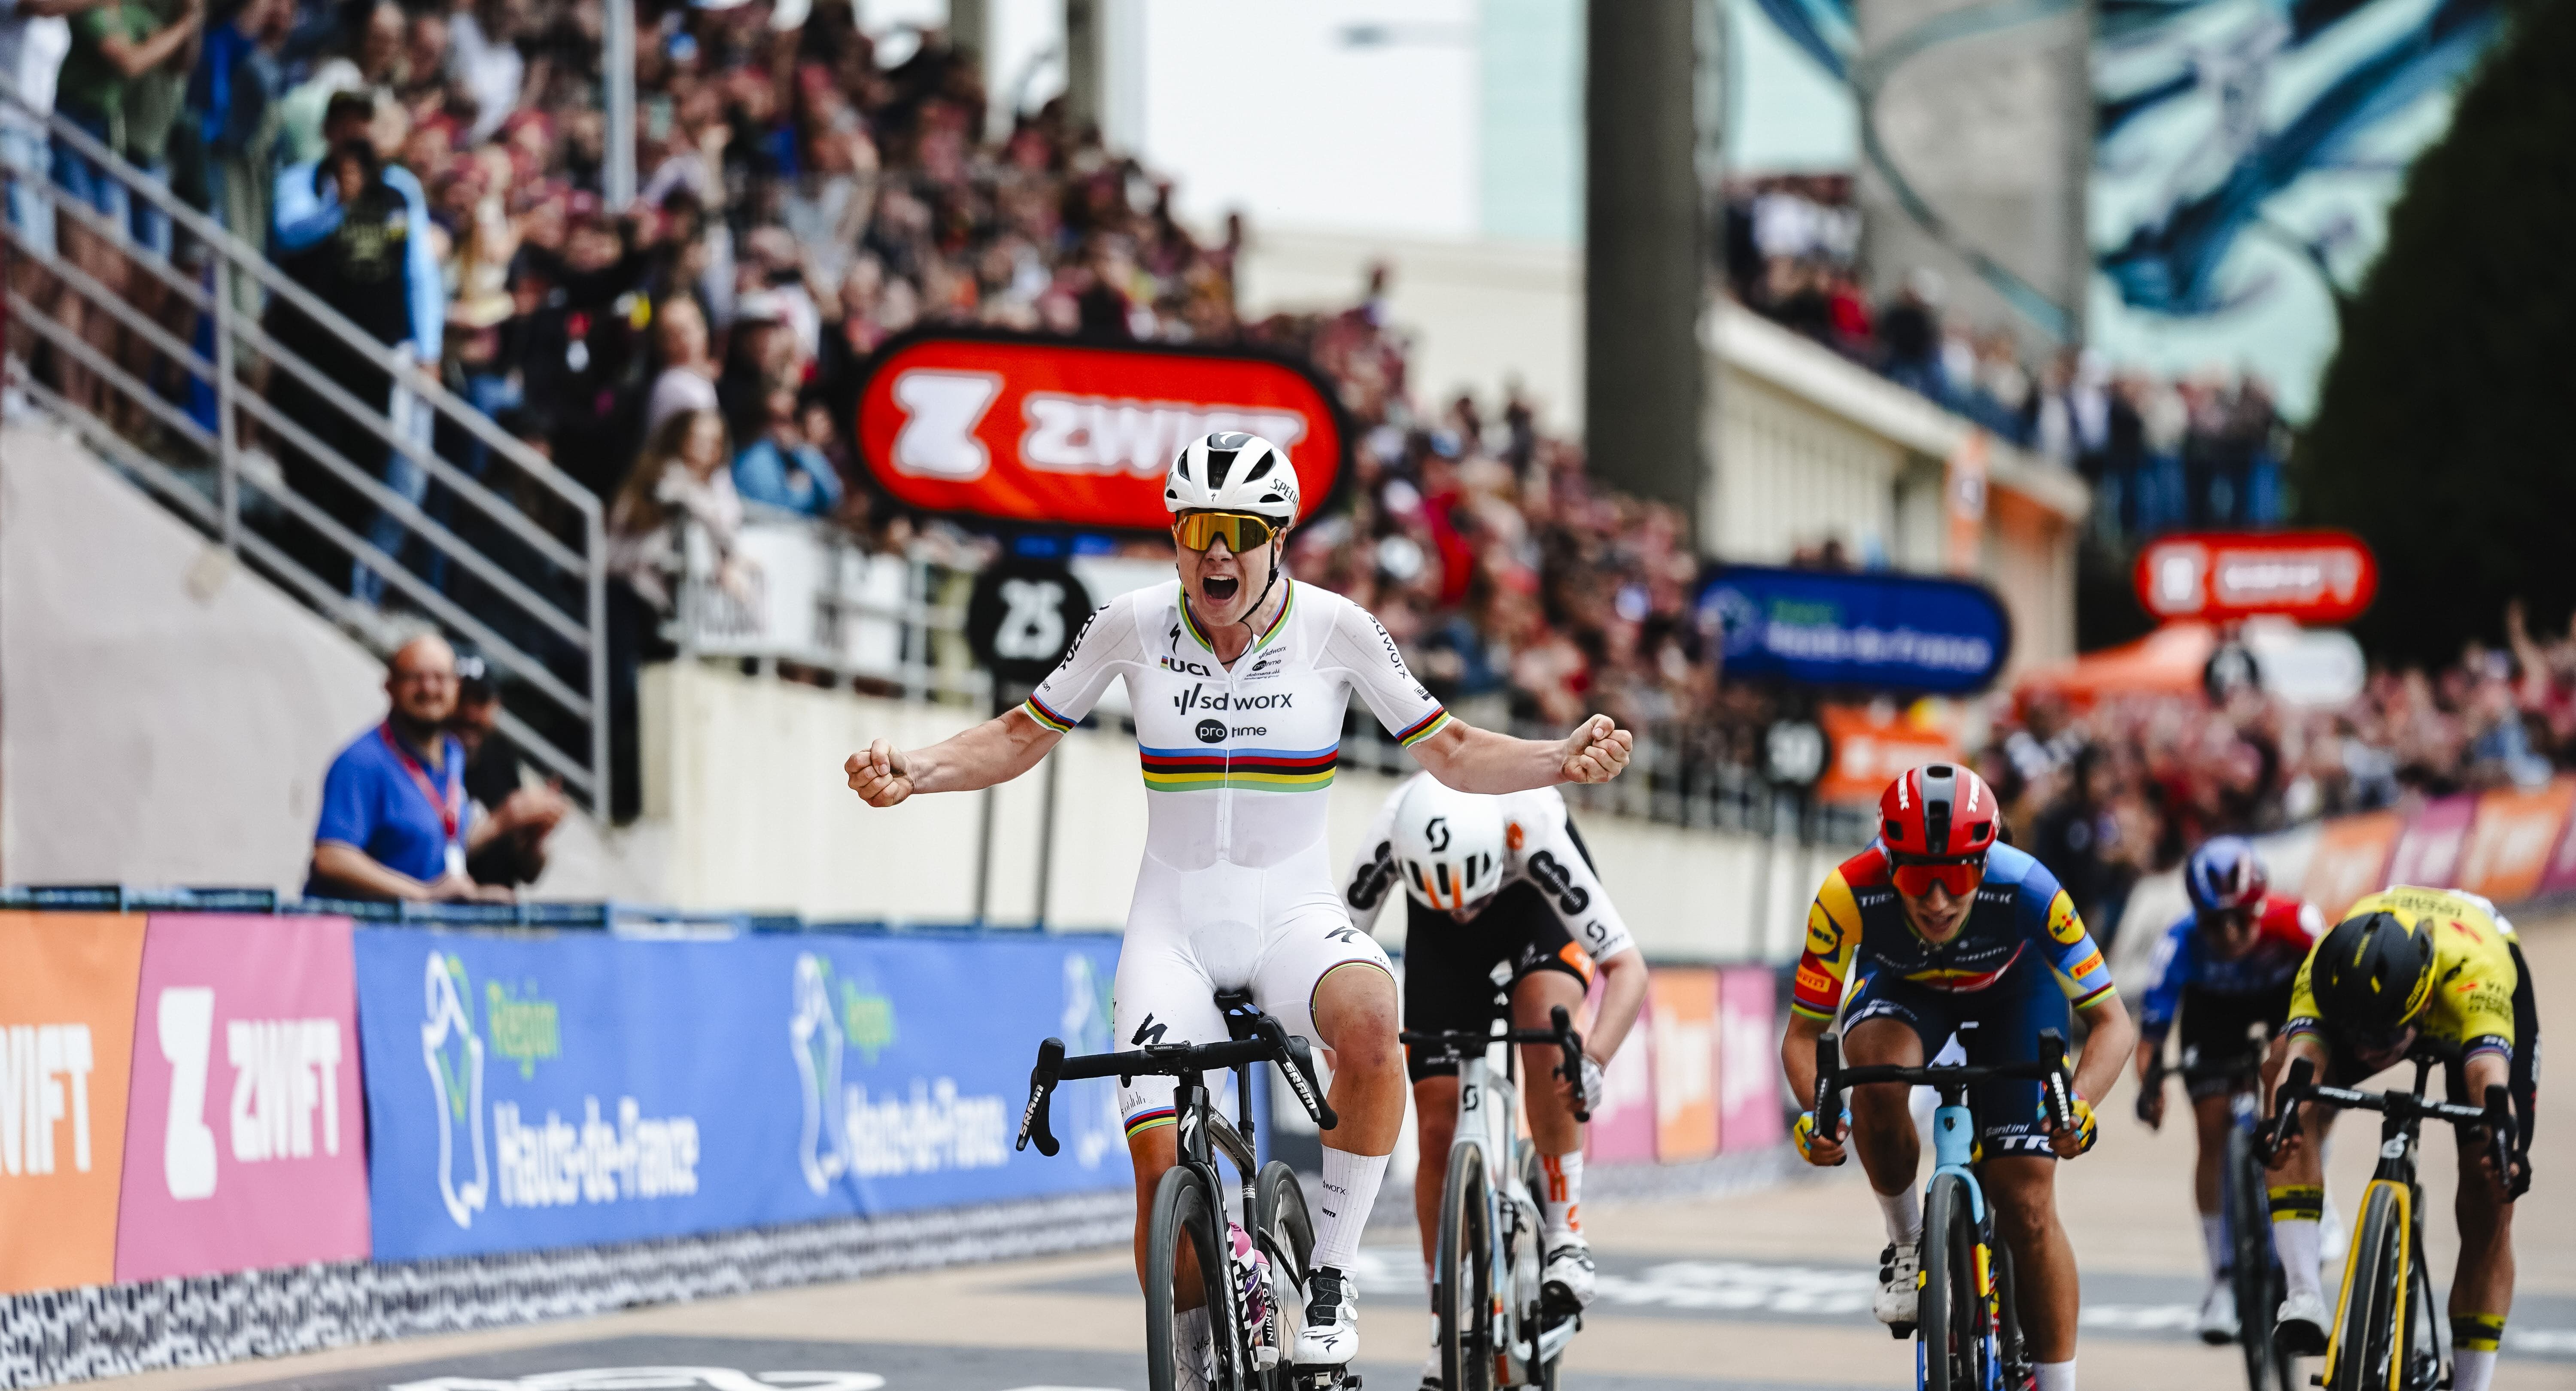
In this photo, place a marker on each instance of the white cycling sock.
(1904, 1213)
(1342, 1209)
(2297, 1239)
(2213, 1239)
(1559, 1205)
(2056, 1376)
(2471, 1371)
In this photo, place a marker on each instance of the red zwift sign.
(1024, 429)
(2315, 577)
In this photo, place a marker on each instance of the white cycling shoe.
(1331, 1337)
(2218, 1315)
(1568, 1276)
(1431, 1370)
(1899, 1270)
(2301, 1328)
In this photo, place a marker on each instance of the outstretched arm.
(995, 751)
(1479, 760)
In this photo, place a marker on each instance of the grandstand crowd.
(806, 194)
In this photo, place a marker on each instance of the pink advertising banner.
(1623, 1122)
(1748, 1060)
(245, 1137)
(2428, 851)
(2559, 875)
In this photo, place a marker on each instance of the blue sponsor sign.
(1845, 628)
(530, 1092)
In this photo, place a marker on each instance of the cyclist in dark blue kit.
(1948, 931)
(2225, 967)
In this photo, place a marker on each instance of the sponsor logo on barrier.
(284, 1090)
(247, 1138)
(455, 1057)
(525, 1030)
(554, 1163)
(935, 1128)
(44, 1097)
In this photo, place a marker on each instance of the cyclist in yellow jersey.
(2415, 971)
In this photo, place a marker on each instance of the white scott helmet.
(1448, 845)
(1231, 471)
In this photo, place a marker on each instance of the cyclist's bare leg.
(2211, 1119)
(2299, 1164)
(1355, 1012)
(2023, 1189)
(1882, 1114)
(1551, 1114)
(2483, 1282)
(1435, 1125)
(1154, 1152)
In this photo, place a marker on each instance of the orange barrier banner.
(1685, 1064)
(2351, 860)
(67, 983)
(1868, 753)
(2508, 847)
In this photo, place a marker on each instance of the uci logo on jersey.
(1211, 731)
(1184, 666)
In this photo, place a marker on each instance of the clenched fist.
(880, 776)
(1595, 751)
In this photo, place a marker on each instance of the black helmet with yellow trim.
(2371, 975)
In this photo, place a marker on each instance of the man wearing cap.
(497, 786)
(395, 821)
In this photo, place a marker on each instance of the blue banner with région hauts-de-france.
(1862, 628)
(526, 1092)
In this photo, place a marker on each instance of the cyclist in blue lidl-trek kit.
(1239, 677)
(2224, 967)
(1946, 929)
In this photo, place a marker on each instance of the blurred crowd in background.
(808, 191)
(2203, 450)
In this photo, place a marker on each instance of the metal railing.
(319, 523)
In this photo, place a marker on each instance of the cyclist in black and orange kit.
(1950, 932)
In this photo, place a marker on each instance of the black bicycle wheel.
(1950, 1311)
(2010, 1347)
(1281, 1224)
(1462, 1275)
(1188, 1217)
(2364, 1353)
(2253, 1275)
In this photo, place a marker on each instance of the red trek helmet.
(1937, 822)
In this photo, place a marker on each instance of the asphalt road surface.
(1752, 1292)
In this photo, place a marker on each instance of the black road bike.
(2387, 1335)
(1190, 1236)
(2253, 1266)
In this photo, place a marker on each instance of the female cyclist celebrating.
(1239, 677)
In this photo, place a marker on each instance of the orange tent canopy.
(2167, 661)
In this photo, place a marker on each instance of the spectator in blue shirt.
(396, 823)
(783, 468)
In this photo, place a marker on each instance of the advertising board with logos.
(1030, 430)
(534, 1092)
(1870, 630)
(246, 1136)
(2321, 578)
(67, 985)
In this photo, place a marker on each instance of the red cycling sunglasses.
(1959, 874)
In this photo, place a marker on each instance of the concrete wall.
(746, 773)
(165, 718)
(1995, 132)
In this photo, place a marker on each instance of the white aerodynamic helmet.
(1230, 471)
(1448, 845)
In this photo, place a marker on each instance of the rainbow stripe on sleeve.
(1039, 712)
(1245, 770)
(1423, 728)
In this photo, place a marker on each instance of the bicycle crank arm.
(1552, 1342)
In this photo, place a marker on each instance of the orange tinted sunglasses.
(1241, 530)
(1959, 874)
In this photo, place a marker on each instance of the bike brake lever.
(2285, 1110)
(1300, 1072)
(2500, 1145)
(1571, 1043)
(2061, 1103)
(1033, 1121)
